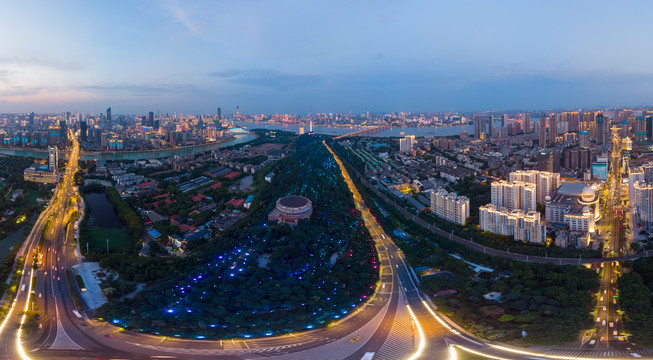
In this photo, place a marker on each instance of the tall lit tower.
(527, 123)
(542, 133)
(553, 129)
(109, 115)
(237, 112)
(53, 158)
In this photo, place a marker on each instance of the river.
(420, 131)
(132, 155)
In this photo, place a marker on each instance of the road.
(396, 323)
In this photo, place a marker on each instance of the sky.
(298, 56)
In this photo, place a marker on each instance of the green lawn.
(32, 196)
(118, 239)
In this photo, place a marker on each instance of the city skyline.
(305, 58)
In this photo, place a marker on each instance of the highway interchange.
(397, 323)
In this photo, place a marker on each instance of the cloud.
(39, 62)
(140, 89)
(179, 12)
(19, 91)
(268, 78)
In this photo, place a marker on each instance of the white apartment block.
(450, 206)
(515, 195)
(406, 144)
(545, 182)
(522, 226)
(643, 195)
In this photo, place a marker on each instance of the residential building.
(516, 195)
(406, 144)
(545, 182)
(522, 226)
(450, 206)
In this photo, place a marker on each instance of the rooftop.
(294, 201)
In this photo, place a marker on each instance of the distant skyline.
(323, 56)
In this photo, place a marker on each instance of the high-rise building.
(553, 129)
(406, 144)
(522, 226)
(544, 181)
(219, 114)
(30, 119)
(109, 115)
(53, 158)
(643, 202)
(150, 120)
(104, 142)
(83, 130)
(514, 195)
(490, 124)
(602, 129)
(63, 135)
(450, 206)
(477, 127)
(649, 128)
(527, 122)
(542, 130)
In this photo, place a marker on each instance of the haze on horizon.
(322, 56)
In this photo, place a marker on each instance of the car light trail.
(19, 344)
(453, 355)
(422, 342)
(521, 352)
(442, 322)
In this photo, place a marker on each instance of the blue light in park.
(170, 311)
(309, 326)
(115, 321)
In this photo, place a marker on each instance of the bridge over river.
(133, 155)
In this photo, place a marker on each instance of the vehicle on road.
(354, 339)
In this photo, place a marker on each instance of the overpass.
(368, 131)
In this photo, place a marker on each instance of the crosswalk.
(399, 344)
(596, 353)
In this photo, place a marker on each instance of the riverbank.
(149, 154)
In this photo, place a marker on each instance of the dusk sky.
(325, 56)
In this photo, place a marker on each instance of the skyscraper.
(527, 123)
(63, 136)
(109, 115)
(649, 128)
(553, 129)
(477, 126)
(542, 130)
(219, 114)
(490, 124)
(601, 126)
(82, 130)
(150, 119)
(53, 158)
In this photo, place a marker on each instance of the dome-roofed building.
(291, 209)
(573, 205)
